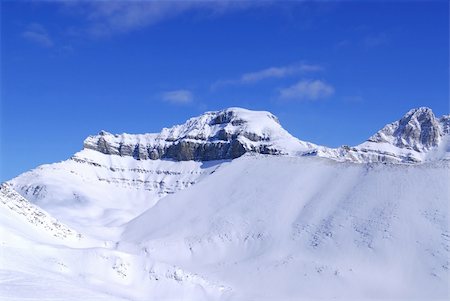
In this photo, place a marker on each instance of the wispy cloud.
(178, 97)
(307, 90)
(106, 18)
(37, 34)
(272, 72)
(375, 40)
(342, 44)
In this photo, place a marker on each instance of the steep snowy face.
(217, 135)
(418, 130)
(19, 214)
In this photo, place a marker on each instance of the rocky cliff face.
(418, 130)
(445, 123)
(219, 135)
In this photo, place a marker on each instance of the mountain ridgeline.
(226, 134)
(230, 133)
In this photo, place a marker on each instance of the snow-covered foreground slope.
(265, 227)
(32, 245)
(42, 259)
(280, 227)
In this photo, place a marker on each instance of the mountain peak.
(220, 125)
(235, 113)
(104, 133)
(420, 110)
(418, 130)
(214, 135)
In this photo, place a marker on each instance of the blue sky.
(333, 72)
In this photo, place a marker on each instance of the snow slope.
(96, 193)
(281, 227)
(29, 240)
(264, 228)
(15, 209)
(42, 259)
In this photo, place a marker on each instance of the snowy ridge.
(12, 203)
(225, 134)
(229, 133)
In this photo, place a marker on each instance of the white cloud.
(107, 18)
(36, 33)
(272, 72)
(178, 96)
(277, 72)
(307, 90)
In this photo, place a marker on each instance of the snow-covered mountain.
(218, 135)
(230, 133)
(419, 136)
(117, 177)
(230, 206)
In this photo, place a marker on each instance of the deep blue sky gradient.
(381, 58)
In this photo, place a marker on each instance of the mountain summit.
(418, 130)
(418, 136)
(225, 134)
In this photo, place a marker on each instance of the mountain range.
(230, 206)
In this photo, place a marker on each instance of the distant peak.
(418, 130)
(421, 113)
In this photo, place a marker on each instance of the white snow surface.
(265, 228)
(280, 227)
(354, 225)
(96, 193)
